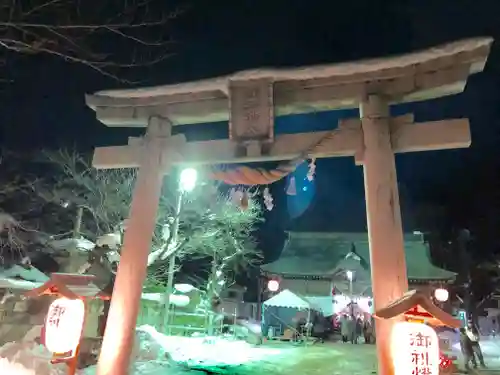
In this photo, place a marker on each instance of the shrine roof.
(26, 273)
(414, 298)
(70, 285)
(328, 254)
(435, 72)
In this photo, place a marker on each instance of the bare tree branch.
(107, 36)
(213, 231)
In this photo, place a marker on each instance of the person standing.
(344, 328)
(367, 331)
(466, 349)
(319, 328)
(472, 332)
(352, 329)
(359, 327)
(374, 336)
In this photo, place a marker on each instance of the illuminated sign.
(63, 325)
(415, 349)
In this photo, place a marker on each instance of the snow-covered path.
(318, 359)
(188, 355)
(280, 358)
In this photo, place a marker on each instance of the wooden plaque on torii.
(250, 101)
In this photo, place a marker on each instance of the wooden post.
(119, 337)
(172, 243)
(210, 296)
(385, 232)
(78, 222)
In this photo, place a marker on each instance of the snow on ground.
(317, 359)
(157, 354)
(208, 351)
(189, 353)
(225, 355)
(148, 368)
(27, 358)
(490, 347)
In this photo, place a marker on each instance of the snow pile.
(7, 367)
(147, 348)
(149, 357)
(28, 358)
(207, 351)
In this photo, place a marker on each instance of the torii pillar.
(383, 214)
(156, 153)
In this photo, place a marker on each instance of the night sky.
(43, 106)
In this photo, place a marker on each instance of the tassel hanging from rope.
(292, 187)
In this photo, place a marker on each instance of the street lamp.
(187, 179)
(349, 275)
(187, 182)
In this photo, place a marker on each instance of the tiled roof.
(324, 254)
(29, 273)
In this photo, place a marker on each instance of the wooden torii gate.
(250, 101)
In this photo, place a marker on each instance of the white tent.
(286, 298)
(323, 304)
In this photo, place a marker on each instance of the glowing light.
(349, 274)
(441, 294)
(187, 180)
(415, 349)
(273, 285)
(63, 325)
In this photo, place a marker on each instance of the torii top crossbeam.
(250, 100)
(428, 74)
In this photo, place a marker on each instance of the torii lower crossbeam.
(346, 140)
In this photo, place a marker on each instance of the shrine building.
(319, 265)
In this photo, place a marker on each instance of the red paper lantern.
(441, 294)
(63, 325)
(273, 285)
(415, 349)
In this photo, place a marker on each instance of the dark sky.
(44, 105)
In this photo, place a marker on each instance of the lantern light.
(415, 349)
(63, 325)
(273, 285)
(441, 294)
